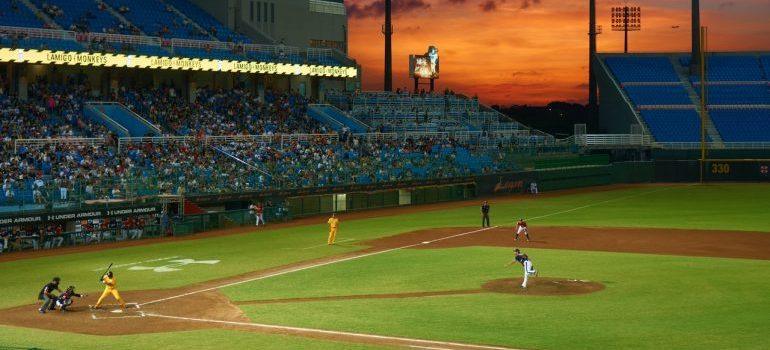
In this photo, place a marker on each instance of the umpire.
(485, 214)
(49, 299)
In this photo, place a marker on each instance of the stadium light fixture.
(626, 19)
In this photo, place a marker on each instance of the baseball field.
(641, 266)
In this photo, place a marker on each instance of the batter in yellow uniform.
(110, 287)
(333, 223)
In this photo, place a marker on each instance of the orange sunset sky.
(535, 51)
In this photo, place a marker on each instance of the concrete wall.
(615, 116)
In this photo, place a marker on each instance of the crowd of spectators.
(324, 162)
(55, 172)
(222, 112)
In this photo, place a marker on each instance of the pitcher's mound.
(543, 286)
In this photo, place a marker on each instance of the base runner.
(521, 227)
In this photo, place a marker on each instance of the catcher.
(110, 287)
(65, 299)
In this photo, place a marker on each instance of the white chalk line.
(307, 267)
(599, 203)
(427, 347)
(328, 332)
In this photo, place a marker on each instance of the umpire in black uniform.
(49, 300)
(485, 214)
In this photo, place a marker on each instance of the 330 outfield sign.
(25, 219)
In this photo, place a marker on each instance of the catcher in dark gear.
(65, 299)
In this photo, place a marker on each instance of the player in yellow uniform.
(333, 223)
(110, 287)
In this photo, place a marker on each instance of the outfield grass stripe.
(399, 340)
(307, 267)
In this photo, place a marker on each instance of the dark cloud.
(488, 6)
(525, 4)
(492, 5)
(377, 8)
(522, 73)
(455, 2)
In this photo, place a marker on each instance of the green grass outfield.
(649, 302)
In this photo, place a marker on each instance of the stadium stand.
(742, 125)
(658, 95)
(642, 69)
(207, 22)
(673, 125)
(13, 13)
(666, 97)
(142, 27)
(755, 94)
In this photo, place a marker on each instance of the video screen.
(425, 66)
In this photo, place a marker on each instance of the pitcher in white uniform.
(529, 270)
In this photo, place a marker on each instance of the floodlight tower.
(626, 19)
(695, 61)
(592, 98)
(387, 30)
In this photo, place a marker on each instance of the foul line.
(328, 332)
(307, 267)
(599, 203)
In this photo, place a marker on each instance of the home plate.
(117, 311)
(426, 242)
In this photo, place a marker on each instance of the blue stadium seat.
(205, 20)
(151, 16)
(84, 13)
(15, 14)
(738, 94)
(642, 69)
(732, 68)
(658, 95)
(742, 125)
(673, 125)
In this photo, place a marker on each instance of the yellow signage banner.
(173, 63)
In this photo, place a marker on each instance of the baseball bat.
(105, 272)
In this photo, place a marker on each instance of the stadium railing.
(619, 140)
(40, 142)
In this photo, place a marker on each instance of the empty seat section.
(732, 68)
(642, 69)
(154, 19)
(658, 95)
(738, 94)
(673, 125)
(742, 125)
(14, 14)
(205, 20)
